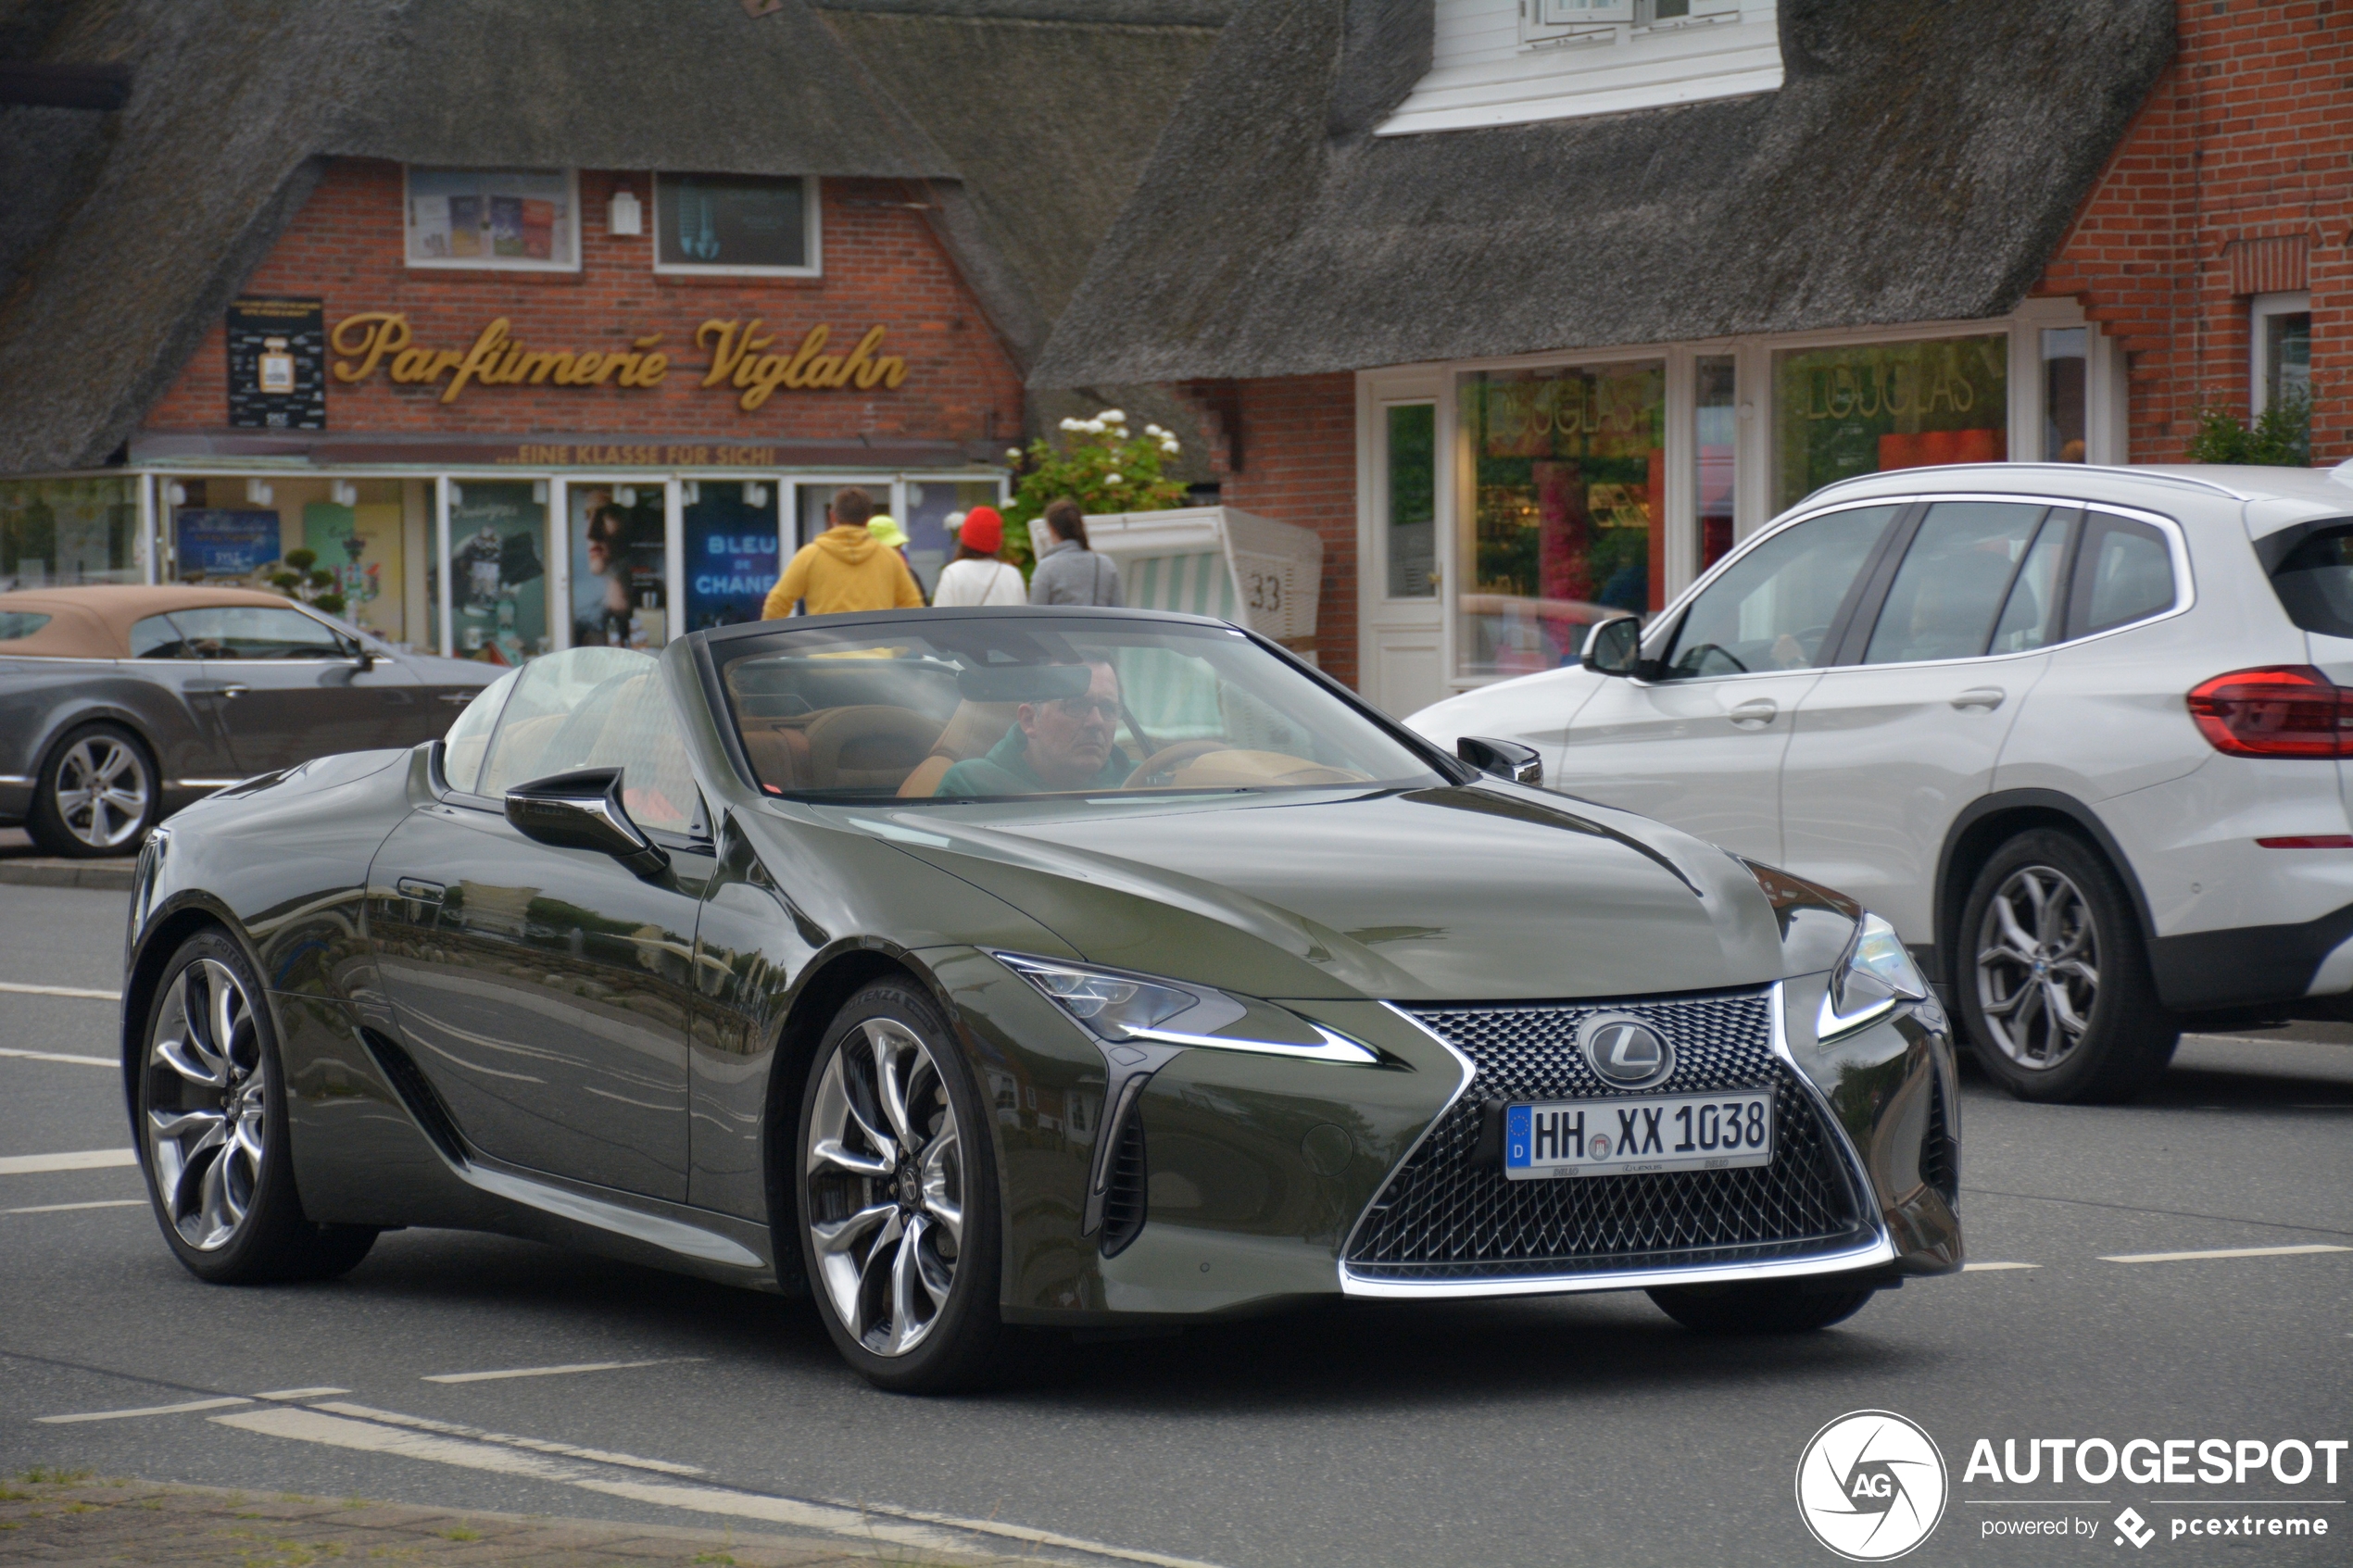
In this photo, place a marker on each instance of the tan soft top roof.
(95, 622)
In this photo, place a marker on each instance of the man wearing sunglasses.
(1059, 744)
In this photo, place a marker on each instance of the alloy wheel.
(2038, 973)
(102, 791)
(206, 1105)
(885, 1187)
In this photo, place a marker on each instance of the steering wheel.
(1157, 768)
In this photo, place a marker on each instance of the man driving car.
(1057, 744)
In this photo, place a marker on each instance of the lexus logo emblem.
(1625, 1052)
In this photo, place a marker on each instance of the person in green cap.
(1062, 744)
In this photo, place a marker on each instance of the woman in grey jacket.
(1070, 574)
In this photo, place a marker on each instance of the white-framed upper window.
(1552, 22)
(2280, 332)
(761, 225)
(515, 220)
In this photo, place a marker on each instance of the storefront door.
(1403, 650)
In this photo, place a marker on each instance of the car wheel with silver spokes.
(213, 1128)
(896, 1225)
(2054, 980)
(98, 794)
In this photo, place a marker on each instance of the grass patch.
(459, 1534)
(49, 1475)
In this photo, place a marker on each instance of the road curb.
(113, 877)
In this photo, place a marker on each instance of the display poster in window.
(497, 578)
(216, 543)
(732, 555)
(278, 364)
(1867, 407)
(514, 215)
(359, 547)
(618, 557)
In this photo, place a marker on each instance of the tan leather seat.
(870, 747)
(779, 752)
(972, 730)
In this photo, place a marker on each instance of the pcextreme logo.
(1870, 1486)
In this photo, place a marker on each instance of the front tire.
(897, 1193)
(212, 1125)
(2055, 986)
(1782, 1306)
(99, 793)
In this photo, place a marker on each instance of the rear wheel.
(213, 1129)
(1782, 1306)
(898, 1197)
(2055, 987)
(98, 794)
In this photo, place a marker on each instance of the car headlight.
(1118, 1008)
(1875, 976)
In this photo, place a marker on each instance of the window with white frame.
(747, 224)
(1515, 62)
(516, 219)
(2281, 334)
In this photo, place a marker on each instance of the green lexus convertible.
(1058, 968)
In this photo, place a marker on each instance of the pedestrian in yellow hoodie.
(844, 568)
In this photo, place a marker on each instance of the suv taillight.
(2278, 710)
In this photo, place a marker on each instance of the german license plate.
(1617, 1137)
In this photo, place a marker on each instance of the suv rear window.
(2315, 580)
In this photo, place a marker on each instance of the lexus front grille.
(1446, 1215)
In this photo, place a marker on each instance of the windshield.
(988, 707)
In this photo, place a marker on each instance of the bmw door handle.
(1755, 713)
(1987, 697)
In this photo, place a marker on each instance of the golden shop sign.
(375, 340)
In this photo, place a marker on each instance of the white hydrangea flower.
(1072, 424)
(1112, 481)
(1169, 447)
(1113, 416)
(1013, 454)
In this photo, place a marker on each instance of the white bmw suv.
(2081, 734)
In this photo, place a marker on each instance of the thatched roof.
(1920, 162)
(124, 235)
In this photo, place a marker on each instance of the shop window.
(2066, 367)
(741, 224)
(1715, 426)
(1867, 408)
(1412, 487)
(254, 532)
(498, 570)
(620, 538)
(2281, 334)
(522, 220)
(732, 551)
(1566, 474)
(57, 532)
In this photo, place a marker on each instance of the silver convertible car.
(1047, 968)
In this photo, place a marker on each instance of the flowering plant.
(1103, 466)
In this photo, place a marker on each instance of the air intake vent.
(1940, 1154)
(1124, 1195)
(415, 1090)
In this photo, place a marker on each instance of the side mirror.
(583, 810)
(1505, 758)
(364, 658)
(1614, 647)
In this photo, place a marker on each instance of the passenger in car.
(1059, 744)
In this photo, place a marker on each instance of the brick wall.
(2248, 135)
(1297, 441)
(883, 267)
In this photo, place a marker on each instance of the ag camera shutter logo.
(1871, 1486)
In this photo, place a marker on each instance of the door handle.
(458, 699)
(1755, 713)
(227, 693)
(1987, 697)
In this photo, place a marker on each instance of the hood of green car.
(1439, 893)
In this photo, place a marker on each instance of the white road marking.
(80, 1159)
(301, 1393)
(537, 1445)
(23, 990)
(1995, 1268)
(149, 1410)
(553, 1371)
(2224, 1252)
(61, 1208)
(902, 1527)
(60, 1056)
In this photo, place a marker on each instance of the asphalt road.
(1578, 1430)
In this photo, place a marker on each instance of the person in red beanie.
(976, 576)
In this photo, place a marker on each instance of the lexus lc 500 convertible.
(1055, 968)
